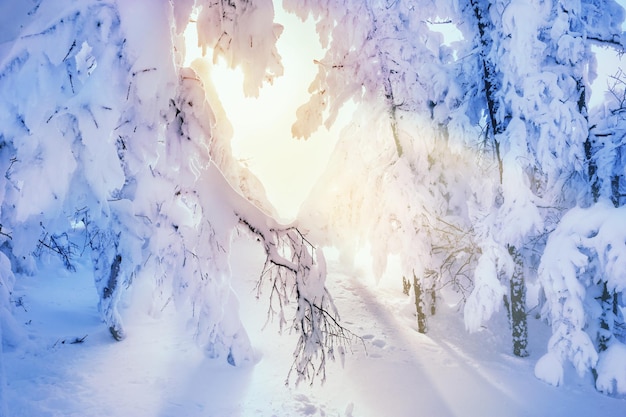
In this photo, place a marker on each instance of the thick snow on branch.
(587, 248)
(375, 51)
(244, 33)
(493, 266)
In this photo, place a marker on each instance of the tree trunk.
(615, 192)
(108, 292)
(592, 166)
(419, 304)
(491, 77)
(108, 276)
(607, 319)
(433, 300)
(393, 120)
(519, 325)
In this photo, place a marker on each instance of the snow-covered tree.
(537, 72)
(515, 219)
(580, 269)
(541, 67)
(587, 162)
(583, 260)
(522, 72)
(376, 52)
(105, 134)
(405, 190)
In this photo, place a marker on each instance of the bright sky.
(609, 63)
(262, 140)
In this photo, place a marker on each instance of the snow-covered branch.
(584, 258)
(294, 268)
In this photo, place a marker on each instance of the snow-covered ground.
(158, 371)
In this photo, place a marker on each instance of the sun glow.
(261, 126)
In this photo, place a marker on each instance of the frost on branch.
(294, 266)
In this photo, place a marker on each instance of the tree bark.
(519, 324)
(605, 332)
(491, 78)
(419, 304)
(615, 193)
(433, 300)
(108, 292)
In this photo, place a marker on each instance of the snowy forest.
(475, 183)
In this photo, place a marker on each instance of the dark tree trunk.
(519, 325)
(592, 166)
(592, 169)
(393, 120)
(419, 304)
(109, 276)
(607, 319)
(108, 292)
(112, 282)
(433, 300)
(507, 307)
(491, 77)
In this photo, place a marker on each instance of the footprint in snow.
(376, 342)
(379, 343)
(307, 408)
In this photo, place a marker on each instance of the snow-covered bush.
(611, 370)
(584, 258)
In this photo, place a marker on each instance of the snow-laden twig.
(294, 267)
